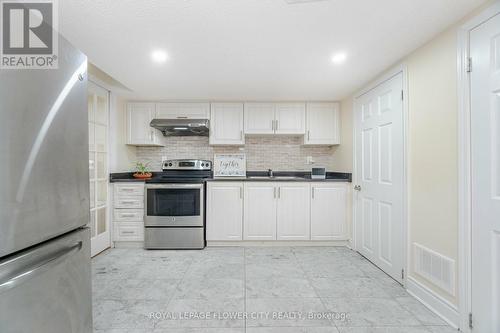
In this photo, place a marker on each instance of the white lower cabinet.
(128, 212)
(293, 218)
(328, 211)
(259, 222)
(283, 211)
(224, 211)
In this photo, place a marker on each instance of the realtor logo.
(28, 34)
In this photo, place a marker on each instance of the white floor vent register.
(435, 267)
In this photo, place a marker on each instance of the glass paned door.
(98, 109)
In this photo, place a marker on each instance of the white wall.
(432, 143)
(342, 154)
(433, 148)
(122, 157)
(433, 153)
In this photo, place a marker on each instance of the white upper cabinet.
(224, 211)
(322, 124)
(226, 124)
(318, 122)
(275, 118)
(259, 222)
(293, 211)
(183, 110)
(259, 118)
(328, 211)
(139, 133)
(290, 118)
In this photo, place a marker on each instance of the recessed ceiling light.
(339, 58)
(159, 56)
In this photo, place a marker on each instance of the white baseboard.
(124, 245)
(437, 304)
(277, 243)
(128, 245)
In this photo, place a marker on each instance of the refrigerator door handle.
(43, 263)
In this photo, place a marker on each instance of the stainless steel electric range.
(175, 205)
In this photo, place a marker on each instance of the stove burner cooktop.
(183, 171)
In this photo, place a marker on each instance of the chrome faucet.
(270, 173)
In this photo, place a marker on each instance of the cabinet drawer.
(129, 189)
(131, 231)
(129, 202)
(128, 215)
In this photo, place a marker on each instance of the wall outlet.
(309, 160)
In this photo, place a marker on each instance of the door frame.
(400, 69)
(115, 89)
(465, 164)
(109, 207)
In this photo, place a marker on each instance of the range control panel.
(187, 165)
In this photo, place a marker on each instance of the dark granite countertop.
(121, 177)
(287, 176)
(298, 176)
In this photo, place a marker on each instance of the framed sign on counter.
(230, 165)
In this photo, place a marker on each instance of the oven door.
(174, 205)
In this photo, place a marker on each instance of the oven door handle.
(174, 186)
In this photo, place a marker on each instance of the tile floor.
(278, 288)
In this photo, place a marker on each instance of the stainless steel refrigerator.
(45, 280)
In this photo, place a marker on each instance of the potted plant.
(142, 171)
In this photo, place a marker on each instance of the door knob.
(357, 187)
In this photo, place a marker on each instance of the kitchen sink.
(276, 177)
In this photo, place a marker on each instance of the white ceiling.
(251, 49)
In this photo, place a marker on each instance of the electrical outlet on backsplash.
(262, 153)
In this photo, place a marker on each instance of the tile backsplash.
(281, 153)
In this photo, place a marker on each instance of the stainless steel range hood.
(181, 127)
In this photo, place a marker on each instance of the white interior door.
(98, 106)
(379, 150)
(485, 156)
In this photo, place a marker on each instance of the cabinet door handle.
(308, 135)
(277, 124)
(274, 192)
(182, 117)
(272, 125)
(241, 192)
(128, 215)
(313, 192)
(127, 202)
(128, 232)
(279, 192)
